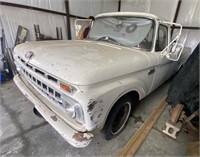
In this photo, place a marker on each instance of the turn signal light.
(66, 88)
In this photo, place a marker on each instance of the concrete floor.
(24, 134)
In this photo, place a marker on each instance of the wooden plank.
(176, 113)
(132, 146)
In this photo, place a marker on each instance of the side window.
(147, 42)
(162, 38)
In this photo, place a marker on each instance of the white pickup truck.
(84, 86)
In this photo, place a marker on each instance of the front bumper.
(75, 138)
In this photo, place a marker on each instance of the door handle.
(151, 71)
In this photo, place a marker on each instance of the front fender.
(99, 99)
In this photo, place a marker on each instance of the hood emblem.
(28, 55)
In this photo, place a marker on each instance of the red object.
(86, 32)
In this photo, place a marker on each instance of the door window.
(162, 38)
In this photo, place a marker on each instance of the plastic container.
(2, 76)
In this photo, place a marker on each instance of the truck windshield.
(127, 31)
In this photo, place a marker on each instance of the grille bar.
(50, 77)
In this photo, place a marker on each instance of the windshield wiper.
(107, 38)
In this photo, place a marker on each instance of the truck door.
(165, 67)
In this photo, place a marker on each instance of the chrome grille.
(46, 89)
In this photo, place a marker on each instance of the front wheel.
(118, 118)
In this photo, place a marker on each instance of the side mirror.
(174, 51)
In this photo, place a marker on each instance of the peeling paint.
(80, 137)
(54, 118)
(91, 105)
(101, 101)
(91, 118)
(99, 115)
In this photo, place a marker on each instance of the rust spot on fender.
(80, 137)
(91, 118)
(99, 115)
(54, 118)
(91, 105)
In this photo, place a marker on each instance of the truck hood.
(83, 62)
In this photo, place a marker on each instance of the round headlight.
(71, 112)
(73, 109)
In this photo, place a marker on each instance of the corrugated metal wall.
(189, 15)
(56, 5)
(11, 17)
(163, 8)
(87, 8)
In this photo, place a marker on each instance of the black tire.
(118, 118)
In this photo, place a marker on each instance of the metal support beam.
(177, 11)
(189, 27)
(119, 5)
(68, 20)
(176, 15)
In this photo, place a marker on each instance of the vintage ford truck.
(84, 86)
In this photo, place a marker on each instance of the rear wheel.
(118, 118)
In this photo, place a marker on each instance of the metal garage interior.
(22, 133)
